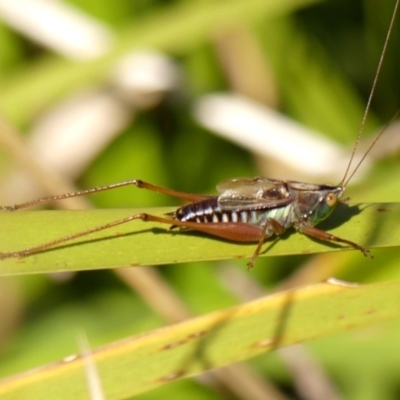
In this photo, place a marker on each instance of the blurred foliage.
(323, 58)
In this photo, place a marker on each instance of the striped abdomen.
(208, 210)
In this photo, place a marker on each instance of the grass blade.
(140, 243)
(141, 363)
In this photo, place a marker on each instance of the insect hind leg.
(135, 182)
(173, 193)
(235, 231)
(240, 232)
(53, 243)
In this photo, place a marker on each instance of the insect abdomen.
(208, 210)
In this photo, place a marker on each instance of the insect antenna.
(382, 131)
(346, 180)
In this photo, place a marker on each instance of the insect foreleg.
(322, 235)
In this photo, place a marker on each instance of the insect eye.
(331, 199)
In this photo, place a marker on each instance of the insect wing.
(251, 194)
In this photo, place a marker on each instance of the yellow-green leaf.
(141, 363)
(138, 243)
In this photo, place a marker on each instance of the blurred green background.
(314, 61)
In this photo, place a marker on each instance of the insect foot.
(18, 254)
(7, 208)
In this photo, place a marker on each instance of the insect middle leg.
(275, 228)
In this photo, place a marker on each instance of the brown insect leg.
(235, 231)
(180, 195)
(239, 232)
(37, 249)
(278, 230)
(137, 182)
(322, 235)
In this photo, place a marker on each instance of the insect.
(246, 210)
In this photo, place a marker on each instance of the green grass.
(143, 244)
(138, 364)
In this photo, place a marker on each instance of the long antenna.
(344, 182)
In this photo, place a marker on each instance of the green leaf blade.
(139, 244)
(141, 363)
